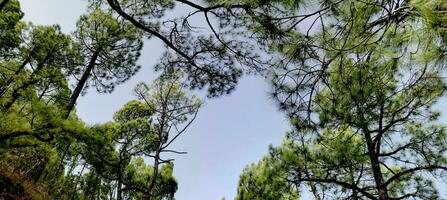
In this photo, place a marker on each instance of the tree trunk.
(119, 183)
(77, 91)
(32, 81)
(153, 180)
(375, 166)
(313, 188)
(74, 98)
(16, 93)
(4, 87)
(119, 193)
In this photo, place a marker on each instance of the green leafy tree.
(307, 35)
(266, 180)
(35, 90)
(174, 111)
(35, 61)
(376, 135)
(359, 84)
(138, 174)
(10, 16)
(143, 128)
(213, 58)
(110, 50)
(118, 144)
(359, 73)
(43, 68)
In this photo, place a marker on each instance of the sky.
(229, 132)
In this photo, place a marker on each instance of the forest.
(360, 82)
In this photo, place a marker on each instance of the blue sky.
(229, 132)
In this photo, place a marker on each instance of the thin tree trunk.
(372, 154)
(119, 186)
(81, 84)
(119, 182)
(95, 187)
(154, 177)
(33, 80)
(313, 188)
(73, 195)
(375, 166)
(74, 97)
(4, 87)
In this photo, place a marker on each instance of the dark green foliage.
(45, 153)
(357, 79)
(358, 87)
(117, 45)
(10, 28)
(115, 152)
(266, 180)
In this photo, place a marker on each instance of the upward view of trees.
(358, 80)
(359, 86)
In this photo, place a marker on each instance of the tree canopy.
(357, 79)
(359, 88)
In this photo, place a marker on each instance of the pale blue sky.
(229, 132)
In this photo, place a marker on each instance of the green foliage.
(358, 80)
(133, 110)
(359, 86)
(10, 27)
(375, 122)
(112, 44)
(138, 174)
(265, 180)
(46, 154)
(433, 15)
(116, 152)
